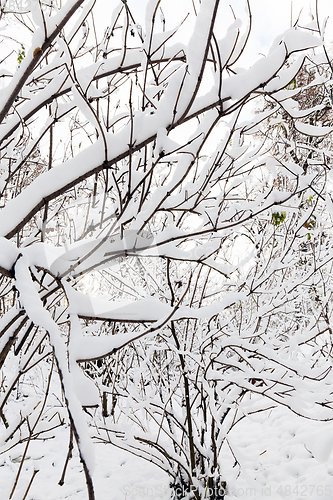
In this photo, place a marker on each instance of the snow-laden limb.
(40, 316)
(312, 130)
(142, 311)
(87, 349)
(85, 389)
(84, 348)
(197, 54)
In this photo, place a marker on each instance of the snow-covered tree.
(165, 256)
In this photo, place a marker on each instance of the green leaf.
(291, 85)
(21, 54)
(278, 218)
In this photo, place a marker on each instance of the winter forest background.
(166, 252)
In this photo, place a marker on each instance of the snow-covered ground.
(279, 456)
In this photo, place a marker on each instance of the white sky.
(272, 17)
